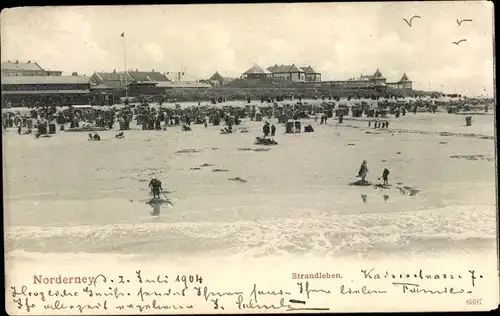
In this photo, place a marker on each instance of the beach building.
(118, 80)
(29, 68)
(288, 72)
(375, 81)
(111, 85)
(57, 90)
(311, 75)
(217, 80)
(403, 83)
(181, 80)
(256, 72)
(164, 86)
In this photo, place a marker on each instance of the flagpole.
(125, 61)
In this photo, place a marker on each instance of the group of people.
(268, 129)
(363, 172)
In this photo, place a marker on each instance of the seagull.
(465, 20)
(460, 41)
(409, 22)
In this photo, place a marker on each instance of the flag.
(123, 34)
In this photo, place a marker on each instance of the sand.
(64, 194)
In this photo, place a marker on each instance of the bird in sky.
(460, 41)
(413, 17)
(459, 22)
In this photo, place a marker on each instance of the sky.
(339, 40)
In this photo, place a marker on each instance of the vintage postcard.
(249, 158)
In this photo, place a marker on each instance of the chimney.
(17, 61)
(114, 71)
(153, 70)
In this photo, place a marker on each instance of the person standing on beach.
(363, 171)
(156, 188)
(265, 129)
(273, 130)
(385, 176)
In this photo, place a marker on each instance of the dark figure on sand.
(94, 137)
(385, 176)
(155, 186)
(265, 129)
(363, 171)
(273, 130)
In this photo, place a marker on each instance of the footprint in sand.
(238, 179)
(187, 151)
(220, 170)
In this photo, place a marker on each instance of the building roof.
(255, 70)
(107, 86)
(215, 76)
(182, 84)
(132, 76)
(45, 80)
(147, 76)
(110, 76)
(404, 78)
(179, 76)
(378, 74)
(21, 66)
(46, 92)
(284, 69)
(308, 70)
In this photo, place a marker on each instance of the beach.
(66, 195)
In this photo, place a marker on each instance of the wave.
(326, 235)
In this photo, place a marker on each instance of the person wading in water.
(156, 188)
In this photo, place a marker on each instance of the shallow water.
(65, 194)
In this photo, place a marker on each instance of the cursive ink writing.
(364, 290)
(473, 277)
(154, 305)
(27, 304)
(58, 305)
(208, 295)
(309, 290)
(25, 292)
(412, 288)
(160, 279)
(372, 274)
(251, 304)
(141, 293)
(112, 292)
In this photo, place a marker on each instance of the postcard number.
(474, 301)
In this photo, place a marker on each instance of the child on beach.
(385, 176)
